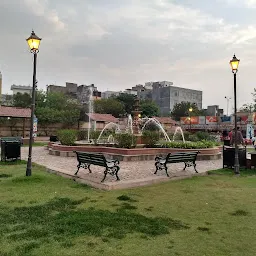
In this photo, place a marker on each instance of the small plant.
(94, 135)
(150, 138)
(67, 137)
(190, 145)
(125, 140)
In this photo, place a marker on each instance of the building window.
(176, 93)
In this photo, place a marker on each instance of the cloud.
(117, 44)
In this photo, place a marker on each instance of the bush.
(190, 145)
(178, 135)
(94, 135)
(203, 135)
(82, 135)
(126, 140)
(150, 138)
(67, 137)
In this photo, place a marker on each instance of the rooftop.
(14, 112)
(22, 87)
(165, 120)
(103, 117)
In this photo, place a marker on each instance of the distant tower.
(0, 84)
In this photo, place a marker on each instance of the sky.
(116, 44)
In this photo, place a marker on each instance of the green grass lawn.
(37, 144)
(49, 215)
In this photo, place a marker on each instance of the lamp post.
(228, 99)
(234, 66)
(33, 43)
(190, 111)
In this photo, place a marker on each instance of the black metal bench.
(85, 160)
(188, 158)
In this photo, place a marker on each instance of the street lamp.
(228, 99)
(190, 111)
(33, 43)
(234, 63)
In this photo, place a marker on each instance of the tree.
(149, 108)
(182, 109)
(249, 108)
(127, 100)
(56, 107)
(22, 100)
(109, 106)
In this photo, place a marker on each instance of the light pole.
(234, 65)
(33, 43)
(228, 99)
(190, 111)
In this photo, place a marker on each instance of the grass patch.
(230, 172)
(37, 144)
(49, 215)
(240, 213)
(4, 176)
(126, 198)
(17, 162)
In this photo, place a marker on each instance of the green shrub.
(67, 137)
(190, 145)
(125, 140)
(82, 135)
(150, 138)
(94, 135)
(203, 135)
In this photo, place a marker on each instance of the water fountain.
(129, 125)
(178, 128)
(158, 124)
(108, 125)
(90, 111)
(136, 117)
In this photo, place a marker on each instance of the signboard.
(249, 131)
(189, 120)
(201, 119)
(243, 119)
(226, 119)
(35, 126)
(211, 119)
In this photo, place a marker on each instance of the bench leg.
(105, 175)
(78, 167)
(117, 169)
(88, 167)
(185, 167)
(165, 167)
(195, 168)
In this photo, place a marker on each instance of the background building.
(21, 89)
(166, 96)
(83, 93)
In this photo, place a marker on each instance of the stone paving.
(131, 174)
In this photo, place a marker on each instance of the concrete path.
(131, 174)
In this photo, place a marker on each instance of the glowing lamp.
(234, 63)
(34, 42)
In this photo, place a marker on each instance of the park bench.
(85, 160)
(188, 158)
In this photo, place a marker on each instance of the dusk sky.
(117, 44)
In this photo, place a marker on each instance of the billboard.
(211, 120)
(186, 120)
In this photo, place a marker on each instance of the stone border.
(118, 185)
(137, 154)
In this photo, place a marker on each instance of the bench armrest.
(158, 158)
(115, 161)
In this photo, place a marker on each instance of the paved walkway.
(131, 173)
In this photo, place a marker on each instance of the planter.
(136, 154)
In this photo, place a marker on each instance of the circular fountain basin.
(134, 154)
